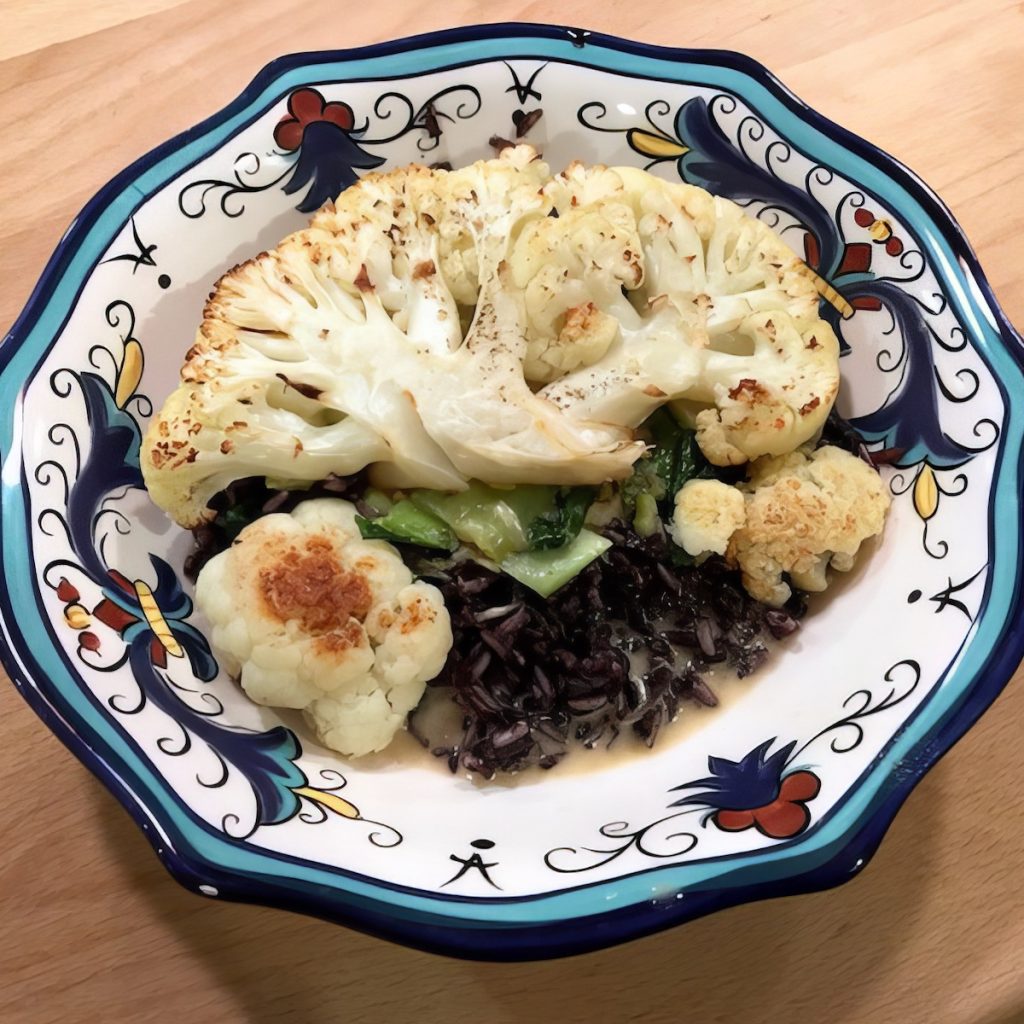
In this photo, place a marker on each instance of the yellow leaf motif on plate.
(130, 374)
(880, 230)
(926, 493)
(331, 801)
(656, 146)
(831, 296)
(76, 616)
(156, 620)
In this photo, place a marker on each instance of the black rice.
(622, 646)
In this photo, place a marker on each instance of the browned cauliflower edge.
(802, 513)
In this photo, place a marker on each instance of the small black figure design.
(474, 861)
(142, 258)
(944, 598)
(524, 92)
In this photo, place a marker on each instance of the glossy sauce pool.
(406, 751)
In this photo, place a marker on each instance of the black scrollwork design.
(645, 841)
(61, 434)
(230, 193)
(219, 780)
(848, 732)
(175, 746)
(654, 111)
(966, 374)
(50, 515)
(427, 116)
(49, 471)
(591, 114)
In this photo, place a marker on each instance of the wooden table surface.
(91, 928)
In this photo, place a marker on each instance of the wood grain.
(92, 928)
(34, 24)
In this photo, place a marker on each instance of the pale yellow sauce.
(405, 751)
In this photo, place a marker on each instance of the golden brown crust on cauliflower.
(777, 398)
(805, 512)
(311, 616)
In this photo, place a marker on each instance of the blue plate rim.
(522, 940)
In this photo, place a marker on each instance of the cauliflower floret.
(355, 723)
(310, 616)
(572, 270)
(585, 335)
(805, 512)
(791, 385)
(718, 312)
(707, 513)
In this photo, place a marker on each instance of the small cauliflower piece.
(707, 513)
(804, 513)
(310, 616)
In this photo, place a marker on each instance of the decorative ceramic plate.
(789, 786)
